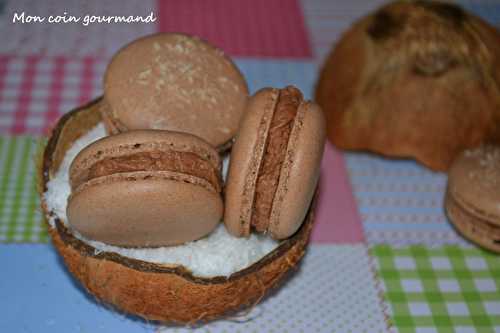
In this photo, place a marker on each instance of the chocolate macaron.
(275, 163)
(472, 200)
(146, 188)
(174, 82)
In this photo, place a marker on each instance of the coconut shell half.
(415, 79)
(156, 291)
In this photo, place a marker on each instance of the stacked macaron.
(172, 103)
(146, 188)
(473, 196)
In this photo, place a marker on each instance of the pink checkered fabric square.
(257, 28)
(72, 39)
(36, 90)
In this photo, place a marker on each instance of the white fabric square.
(67, 105)
(476, 263)
(71, 92)
(485, 285)
(6, 120)
(382, 285)
(13, 78)
(8, 105)
(448, 285)
(34, 122)
(75, 67)
(492, 308)
(419, 309)
(96, 91)
(42, 80)
(465, 329)
(404, 263)
(457, 309)
(18, 237)
(425, 330)
(389, 310)
(100, 67)
(412, 285)
(11, 92)
(72, 79)
(41, 92)
(16, 65)
(45, 66)
(38, 106)
(440, 263)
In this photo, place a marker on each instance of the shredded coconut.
(219, 254)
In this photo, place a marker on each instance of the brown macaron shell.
(471, 226)
(298, 174)
(124, 194)
(300, 171)
(246, 156)
(474, 182)
(176, 82)
(473, 195)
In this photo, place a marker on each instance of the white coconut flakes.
(219, 254)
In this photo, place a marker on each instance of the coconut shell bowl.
(158, 292)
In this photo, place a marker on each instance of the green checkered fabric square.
(445, 289)
(20, 216)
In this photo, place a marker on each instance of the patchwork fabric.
(258, 28)
(333, 291)
(419, 274)
(71, 39)
(400, 202)
(35, 91)
(445, 289)
(20, 217)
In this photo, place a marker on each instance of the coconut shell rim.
(143, 266)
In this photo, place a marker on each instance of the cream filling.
(219, 254)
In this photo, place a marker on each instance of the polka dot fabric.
(332, 291)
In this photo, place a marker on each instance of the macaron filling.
(281, 125)
(170, 160)
(476, 222)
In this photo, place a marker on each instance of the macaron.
(472, 199)
(145, 188)
(275, 164)
(175, 82)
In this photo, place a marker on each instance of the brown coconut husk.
(155, 291)
(415, 79)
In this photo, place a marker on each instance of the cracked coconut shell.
(165, 293)
(414, 80)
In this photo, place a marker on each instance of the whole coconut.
(414, 79)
